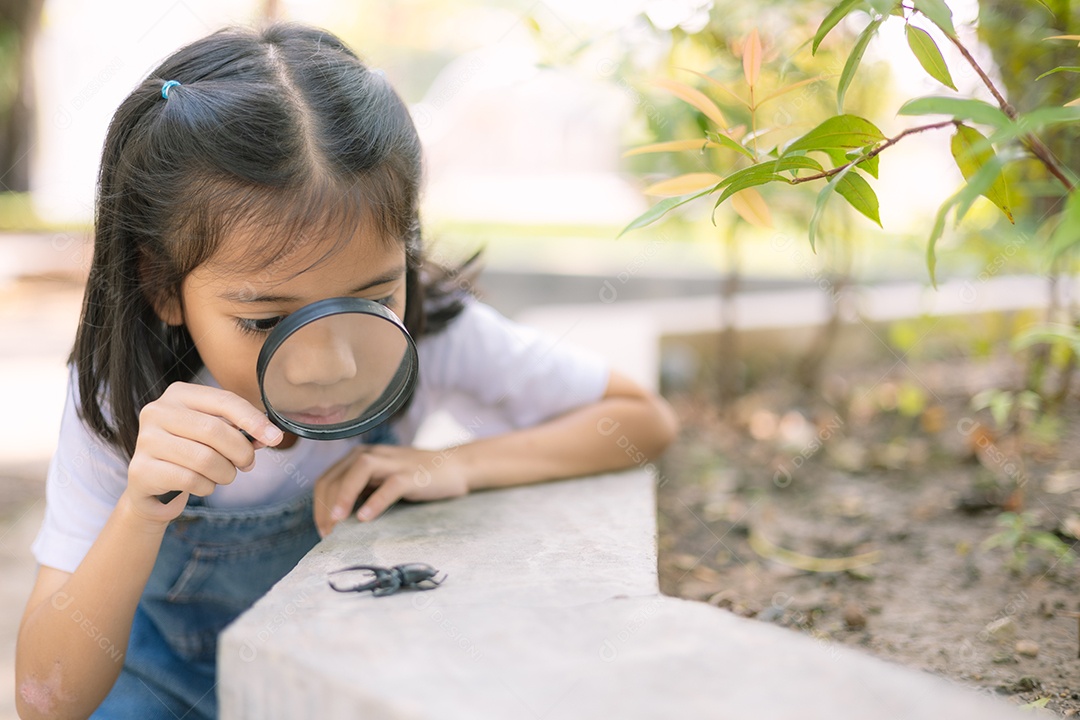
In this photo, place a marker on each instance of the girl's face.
(230, 314)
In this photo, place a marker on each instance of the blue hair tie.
(165, 88)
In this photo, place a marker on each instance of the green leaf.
(854, 188)
(852, 64)
(870, 164)
(1063, 68)
(841, 131)
(979, 184)
(1067, 233)
(972, 151)
(722, 139)
(831, 20)
(1049, 542)
(1050, 334)
(772, 167)
(660, 209)
(838, 156)
(929, 56)
(939, 14)
(959, 108)
(763, 173)
(748, 181)
(935, 235)
(1000, 407)
(1044, 117)
(819, 205)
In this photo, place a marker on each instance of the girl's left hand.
(394, 472)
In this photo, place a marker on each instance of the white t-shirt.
(490, 374)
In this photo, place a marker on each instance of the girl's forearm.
(72, 642)
(615, 433)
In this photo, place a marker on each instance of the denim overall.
(214, 563)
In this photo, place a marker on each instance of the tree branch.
(873, 153)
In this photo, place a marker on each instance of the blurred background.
(527, 109)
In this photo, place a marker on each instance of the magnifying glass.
(335, 369)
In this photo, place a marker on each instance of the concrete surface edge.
(550, 609)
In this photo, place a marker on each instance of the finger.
(203, 459)
(210, 431)
(386, 495)
(227, 405)
(170, 477)
(353, 482)
(325, 492)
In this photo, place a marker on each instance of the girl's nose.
(316, 355)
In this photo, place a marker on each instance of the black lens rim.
(316, 311)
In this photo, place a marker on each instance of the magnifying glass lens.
(338, 371)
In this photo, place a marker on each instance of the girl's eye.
(258, 326)
(386, 301)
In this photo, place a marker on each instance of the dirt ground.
(860, 517)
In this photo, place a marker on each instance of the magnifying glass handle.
(166, 498)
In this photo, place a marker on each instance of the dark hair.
(284, 128)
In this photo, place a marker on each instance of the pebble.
(854, 617)
(1001, 629)
(1027, 647)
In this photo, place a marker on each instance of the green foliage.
(854, 58)
(853, 188)
(959, 108)
(972, 152)
(1067, 336)
(831, 20)
(1066, 235)
(1002, 403)
(842, 131)
(1035, 704)
(939, 13)
(981, 158)
(929, 56)
(1021, 539)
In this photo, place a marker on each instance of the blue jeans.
(214, 563)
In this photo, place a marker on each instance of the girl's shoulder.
(483, 352)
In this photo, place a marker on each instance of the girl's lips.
(319, 415)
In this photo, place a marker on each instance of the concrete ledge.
(631, 658)
(550, 610)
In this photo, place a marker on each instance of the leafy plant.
(1063, 348)
(1020, 538)
(842, 151)
(1004, 403)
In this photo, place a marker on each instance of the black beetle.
(387, 581)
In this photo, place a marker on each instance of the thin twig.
(873, 153)
(1004, 104)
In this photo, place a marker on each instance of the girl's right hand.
(190, 440)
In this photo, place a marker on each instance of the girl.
(252, 174)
